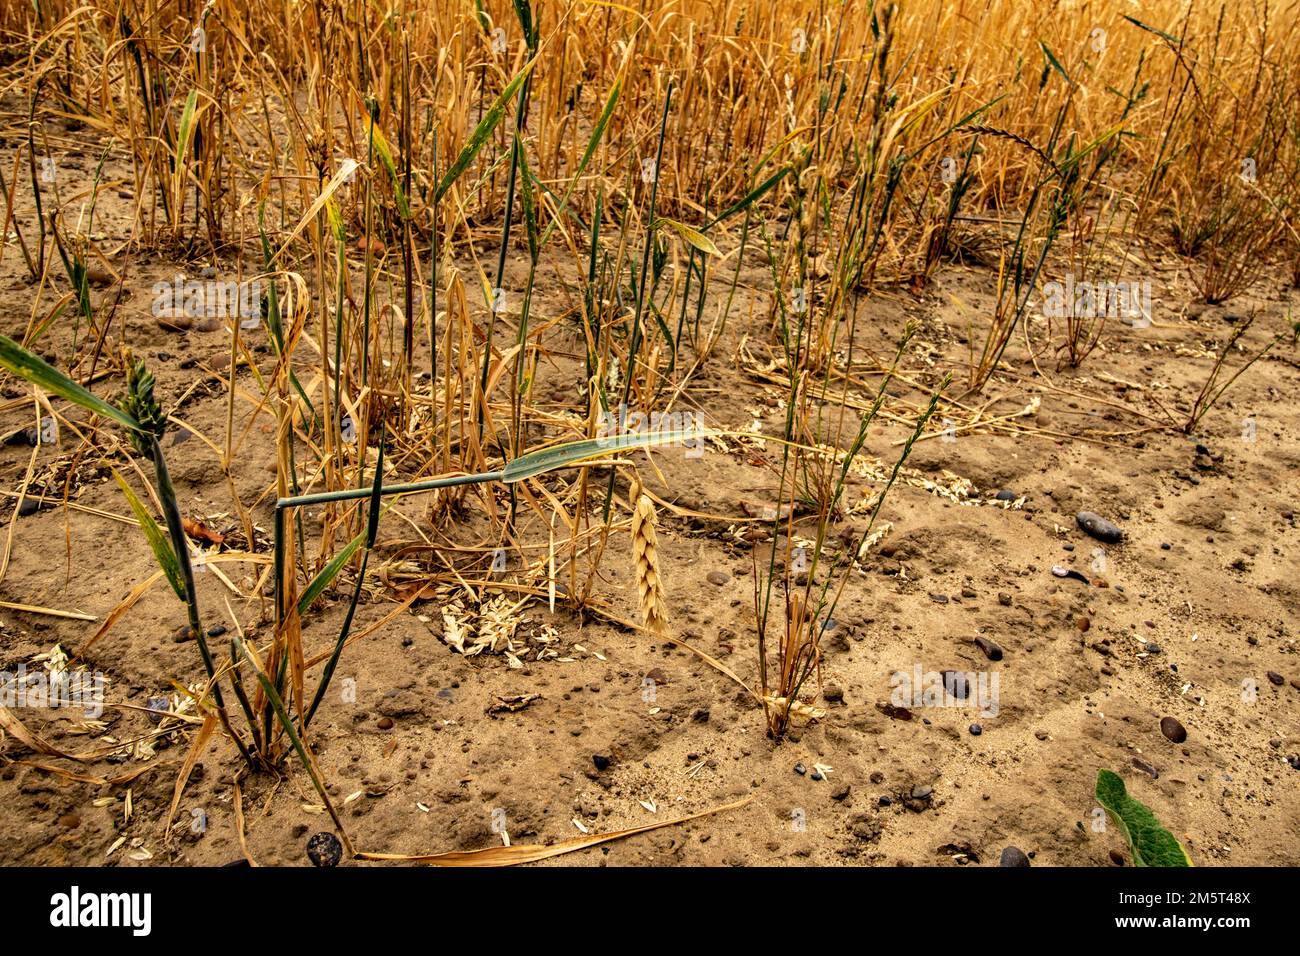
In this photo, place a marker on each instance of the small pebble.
(1276, 679)
(976, 730)
(718, 578)
(1173, 729)
(1098, 527)
(601, 761)
(1146, 768)
(325, 850)
(800, 769)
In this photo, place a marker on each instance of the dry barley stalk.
(649, 574)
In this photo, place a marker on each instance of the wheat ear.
(649, 576)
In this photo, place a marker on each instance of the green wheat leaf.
(162, 549)
(36, 370)
(573, 453)
(482, 131)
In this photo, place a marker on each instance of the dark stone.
(1098, 527)
(1013, 856)
(800, 769)
(991, 650)
(1146, 768)
(957, 683)
(1276, 679)
(324, 849)
(1172, 729)
(601, 761)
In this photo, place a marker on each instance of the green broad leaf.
(1151, 843)
(36, 370)
(692, 236)
(573, 453)
(327, 574)
(482, 131)
(162, 549)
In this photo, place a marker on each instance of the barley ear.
(649, 577)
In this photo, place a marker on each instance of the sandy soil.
(1198, 599)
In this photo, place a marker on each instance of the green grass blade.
(328, 573)
(753, 196)
(597, 133)
(372, 529)
(1056, 64)
(162, 549)
(386, 157)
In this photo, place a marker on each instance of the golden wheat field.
(584, 433)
